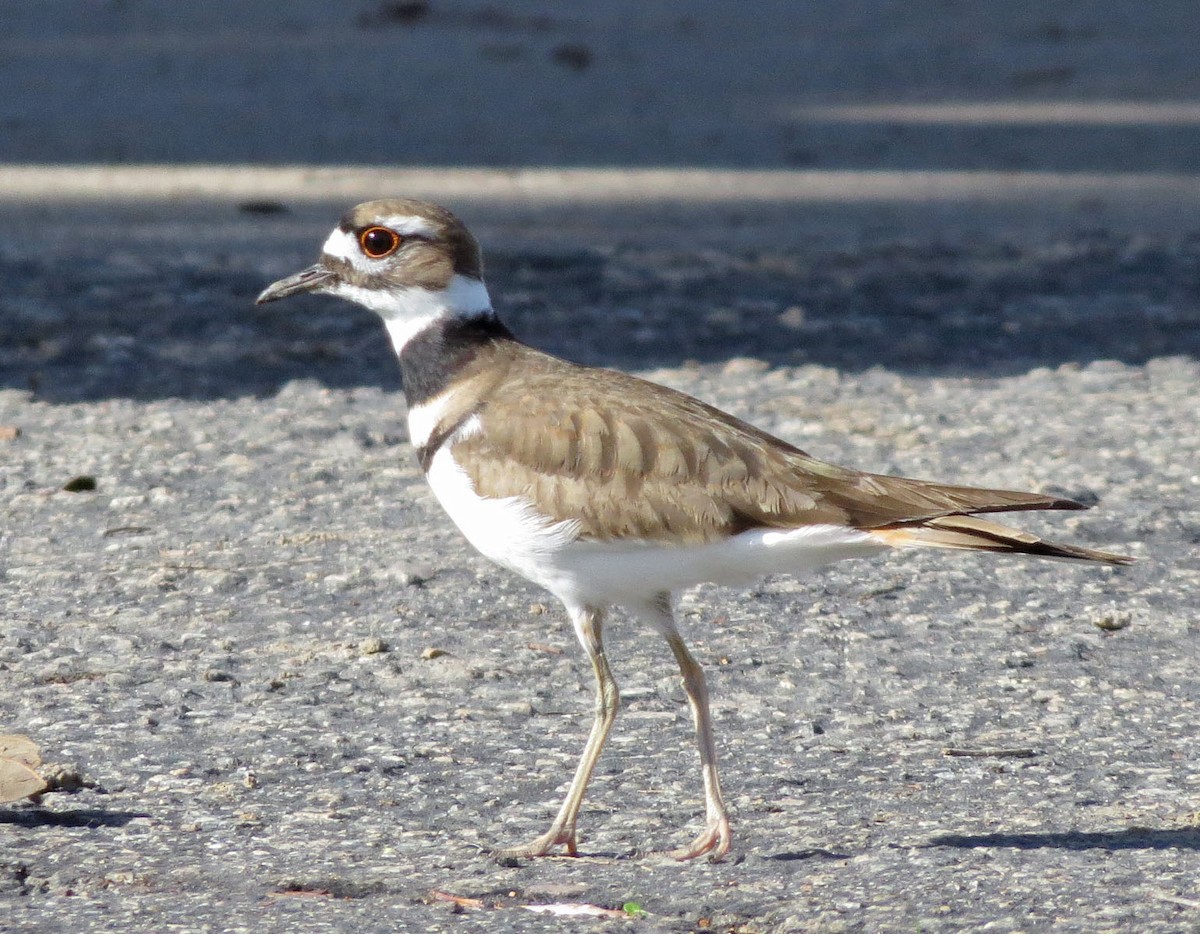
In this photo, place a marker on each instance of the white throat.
(408, 311)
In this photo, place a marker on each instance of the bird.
(610, 491)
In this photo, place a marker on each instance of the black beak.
(311, 279)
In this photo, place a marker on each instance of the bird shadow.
(790, 856)
(1131, 838)
(86, 818)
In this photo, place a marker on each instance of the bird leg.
(588, 622)
(716, 837)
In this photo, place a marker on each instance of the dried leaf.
(17, 781)
(461, 900)
(21, 748)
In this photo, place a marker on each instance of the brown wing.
(628, 458)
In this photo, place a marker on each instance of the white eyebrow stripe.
(410, 225)
(343, 244)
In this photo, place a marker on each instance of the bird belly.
(515, 535)
(631, 572)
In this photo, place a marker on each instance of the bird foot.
(715, 840)
(541, 846)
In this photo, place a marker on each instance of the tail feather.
(971, 533)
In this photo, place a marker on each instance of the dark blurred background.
(923, 84)
(930, 186)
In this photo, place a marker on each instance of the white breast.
(509, 531)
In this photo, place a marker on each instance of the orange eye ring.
(378, 242)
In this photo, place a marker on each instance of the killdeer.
(608, 490)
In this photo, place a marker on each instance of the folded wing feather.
(630, 459)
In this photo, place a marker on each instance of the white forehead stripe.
(343, 245)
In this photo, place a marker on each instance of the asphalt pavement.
(280, 692)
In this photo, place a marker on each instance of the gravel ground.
(229, 637)
(291, 699)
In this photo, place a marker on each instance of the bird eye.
(378, 242)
